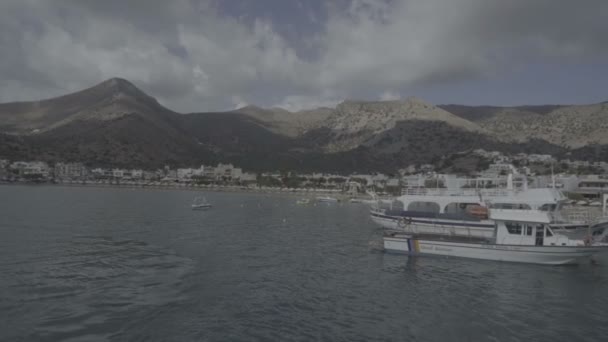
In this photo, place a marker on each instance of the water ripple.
(115, 265)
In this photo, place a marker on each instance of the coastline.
(306, 192)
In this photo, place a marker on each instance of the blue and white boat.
(522, 236)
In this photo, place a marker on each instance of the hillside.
(573, 126)
(284, 122)
(106, 101)
(354, 122)
(116, 124)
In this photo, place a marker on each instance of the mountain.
(284, 122)
(572, 126)
(116, 124)
(112, 123)
(353, 123)
(106, 101)
(477, 113)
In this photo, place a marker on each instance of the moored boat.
(326, 199)
(519, 236)
(463, 212)
(200, 203)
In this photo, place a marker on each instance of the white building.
(185, 174)
(70, 171)
(499, 169)
(34, 168)
(137, 174)
(227, 171)
(118, 173)
(541, 158)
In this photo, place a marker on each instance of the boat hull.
(544, 255)
(201, 207)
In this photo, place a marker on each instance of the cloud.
(238, 102)
(390, 96)
(295, 103)
(196, 56)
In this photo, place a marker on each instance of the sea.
(118, 264)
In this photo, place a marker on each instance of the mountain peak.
(120, 85)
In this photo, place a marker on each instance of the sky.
(212, 55)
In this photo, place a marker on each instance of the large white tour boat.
(464, 212)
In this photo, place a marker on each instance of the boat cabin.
(471, 204)
(527, 228)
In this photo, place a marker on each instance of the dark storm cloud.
(210, 55)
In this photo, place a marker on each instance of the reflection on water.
(115, 264)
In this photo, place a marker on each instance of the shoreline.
(186, 187)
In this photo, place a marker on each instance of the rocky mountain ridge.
(115, 123)
(570, 126)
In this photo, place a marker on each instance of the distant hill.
(116, 124)
(572, 126)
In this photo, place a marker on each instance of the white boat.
(326, 199)
(522, 236)
(463, 212)
(200, 203)
(303, 201)
(356, 200)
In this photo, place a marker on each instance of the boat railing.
(578, 215)
(457, 192)
(599, 219)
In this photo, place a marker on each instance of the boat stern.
(400, 243)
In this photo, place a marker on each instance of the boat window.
(548, 231)
(397, 205)
(458, 208)
(510, 206)
(548, 207)
(528, 230)
(429, 207)
(514, 228)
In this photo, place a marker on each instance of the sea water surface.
(101, 264)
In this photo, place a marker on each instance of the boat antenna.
(552, 177)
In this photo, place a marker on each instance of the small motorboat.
(303, 201)
(327, 199)
(200, 203)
